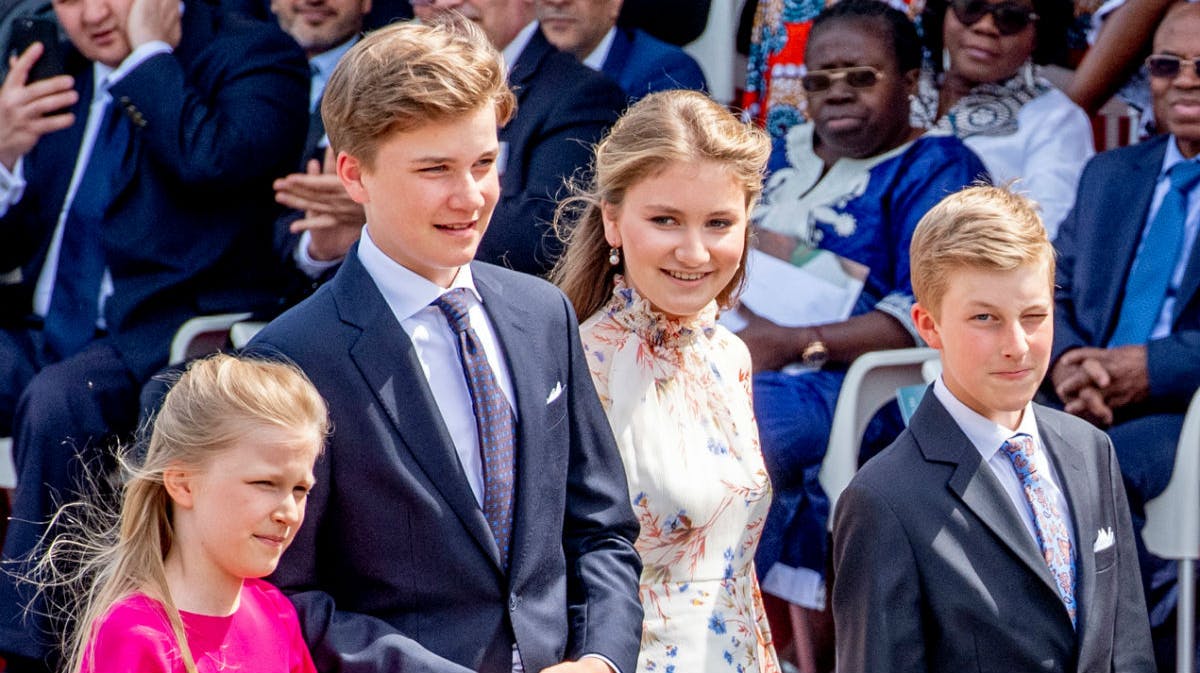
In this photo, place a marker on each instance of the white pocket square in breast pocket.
(1104, 539)
(555, 392)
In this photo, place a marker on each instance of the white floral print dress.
(677, 394)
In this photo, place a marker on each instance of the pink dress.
(262, 636)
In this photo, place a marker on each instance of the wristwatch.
(816, 353)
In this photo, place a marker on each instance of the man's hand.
(151, 20)
(771, 346)
(333, 220)
(584, 665)
(1092, 382)
(23, 106)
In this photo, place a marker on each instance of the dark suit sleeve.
(599, 528)
(554, 152)
(876, 587)
(1132, 649)
(1066, 332)
(1174, 364)
(248, 128)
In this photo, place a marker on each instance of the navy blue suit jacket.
(642, 64)
(1096, 245)
(395, 568)
(563, 109)
(189, 231)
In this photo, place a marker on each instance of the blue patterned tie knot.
(1150, 275)
(494, 420)
(1053, 538)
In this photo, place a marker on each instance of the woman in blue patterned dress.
(854, 181)
(657, 244)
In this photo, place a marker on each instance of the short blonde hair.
(408, 74)
(664, 128)
(980, 227)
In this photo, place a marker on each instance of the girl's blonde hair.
(103, 556)
(661, 129)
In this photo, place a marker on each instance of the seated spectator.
(633, 58)
(141, 206)
(563, 109)
(324, 221)
(985, 89)
(855, 182)
(1127, 321)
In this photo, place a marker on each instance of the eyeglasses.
(859, 77)
(1168, 66)
(1008, 18)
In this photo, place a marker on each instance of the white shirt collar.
(405, 291)
(986, 435)
(100, 75)
(513, 51)
(599, 55)
(326, 61)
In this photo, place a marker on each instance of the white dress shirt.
(409, 296)
(599, 55)
(987, 437)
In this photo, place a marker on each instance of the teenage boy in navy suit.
(472, 513)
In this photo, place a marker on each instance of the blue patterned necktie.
(1053, 539)
(71, 320)
(493, 418)
(1150, 276)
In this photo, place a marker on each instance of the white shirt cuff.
(12, 185)
(137, 57)
(603, 658)
(311, 267)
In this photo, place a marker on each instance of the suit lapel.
(385, 358)
(618, 54)
(510, 319)
(941, 440)
(1076, 482)
(1126, 231)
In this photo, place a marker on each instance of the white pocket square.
(1104, 539)
(555, 392)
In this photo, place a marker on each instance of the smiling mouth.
(456, 226)
(679, 275)
(272, 539)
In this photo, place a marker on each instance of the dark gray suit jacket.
(395, 568)
(935, 571)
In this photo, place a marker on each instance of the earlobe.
(926, 326)
(178, 483)
(350, 171)
(610, 213)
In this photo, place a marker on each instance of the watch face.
(815, 355)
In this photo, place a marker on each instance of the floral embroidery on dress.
(677, 394)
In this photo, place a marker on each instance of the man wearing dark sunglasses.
(1127, 324)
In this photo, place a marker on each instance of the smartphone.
(25, 31)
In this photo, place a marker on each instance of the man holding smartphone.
(138, 207)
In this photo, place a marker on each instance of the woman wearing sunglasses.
(983, 87)
(853, 181)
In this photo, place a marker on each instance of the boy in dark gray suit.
(994, 534)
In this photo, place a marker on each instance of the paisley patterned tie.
(1052, 535)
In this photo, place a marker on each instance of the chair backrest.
(1173, 518)
(203, 335)
(8, 472)
(870, 383)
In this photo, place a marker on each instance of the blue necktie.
(493, 418)
(1150, 277)
(1051, 529)
(71, 321)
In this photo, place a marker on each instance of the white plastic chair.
(1172, 530)
(241, 333)
(202, 335)
(8, 471)
(870, 383)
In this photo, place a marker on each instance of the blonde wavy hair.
(661, 129)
